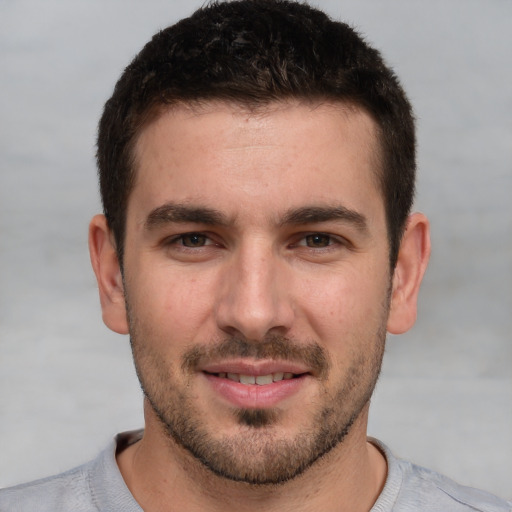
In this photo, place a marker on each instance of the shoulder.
(67, 491)
(93, 487)
(429, 487)
(410, 487)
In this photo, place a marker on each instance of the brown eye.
(318, 240)
(193, 240)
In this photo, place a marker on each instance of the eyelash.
(301, 240)
(330, 240)
(181, 238)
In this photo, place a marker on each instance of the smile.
(256, 390)
(260, 380)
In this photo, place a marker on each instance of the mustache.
(273, 347)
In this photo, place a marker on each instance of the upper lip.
(256, 368)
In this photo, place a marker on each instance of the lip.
(255, 396)
(255, 368)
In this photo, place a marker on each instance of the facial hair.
(257, 454)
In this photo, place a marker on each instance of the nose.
(255, 299)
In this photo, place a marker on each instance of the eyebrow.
(180, 213)
(317, 214)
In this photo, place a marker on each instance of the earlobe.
(106, 267)
(409, 271)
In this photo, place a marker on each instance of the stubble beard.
(257, 454)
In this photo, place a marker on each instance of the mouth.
(259, 380)
(257, 385)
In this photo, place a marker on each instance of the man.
(256, 165)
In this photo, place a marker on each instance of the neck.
(162, 476)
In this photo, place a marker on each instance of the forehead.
(283, 153)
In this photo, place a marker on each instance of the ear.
(412, 262)
(108, 274)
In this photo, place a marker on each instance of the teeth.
(261, 380)
(247, 379)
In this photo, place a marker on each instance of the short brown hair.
(256, 52)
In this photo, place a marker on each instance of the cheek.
(344, 304)
(169, 303)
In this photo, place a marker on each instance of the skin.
(256, 267)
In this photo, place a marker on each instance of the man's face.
(257, 281)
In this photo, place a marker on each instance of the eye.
(317, 240)
(193, 240)
(188, 241)
(319, 244)
(192, 247)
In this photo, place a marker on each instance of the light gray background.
(66, 382)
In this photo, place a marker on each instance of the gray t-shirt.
(99, 486)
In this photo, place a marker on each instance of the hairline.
(157, 108)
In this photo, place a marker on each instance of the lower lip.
(254, 396)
